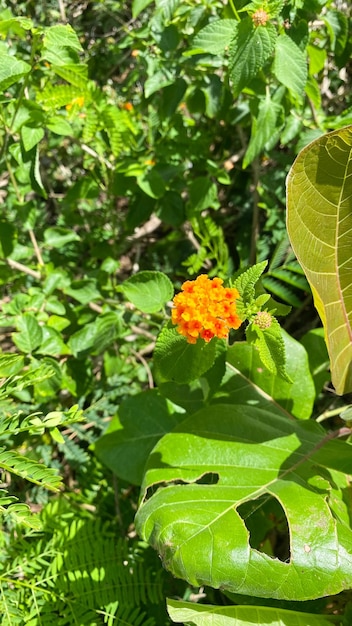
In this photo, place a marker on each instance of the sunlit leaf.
(249, 453)
(319, 222)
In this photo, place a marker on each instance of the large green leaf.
(249, 454)
(142, 420)
(319, 222)
(204, 615)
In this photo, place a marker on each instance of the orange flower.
(205, 309)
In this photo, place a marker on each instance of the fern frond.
(19, 382)
(279, 254)
(90, 124)
(281, 291)
(35, 472)
(74, 74)
(295, 280)
(293, 266)
(80, 573)
(118, 127)
(57, 96)
(18, 513)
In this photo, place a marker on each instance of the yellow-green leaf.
(319, 222)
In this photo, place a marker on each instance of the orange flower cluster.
(206, 309)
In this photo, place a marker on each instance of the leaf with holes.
(207, 478)
(319, 222)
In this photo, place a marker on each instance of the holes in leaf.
(209, 478)
(266, 522)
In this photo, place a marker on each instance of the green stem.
(20, 95)
(234, 10)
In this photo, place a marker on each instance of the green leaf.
(208, 615)
(263, 128)
(319, 222)
(17, 25)
(181, 362)
(84, 291)
(271, 348)
(8, 236)
(338, 28)
(31, 137)
(10, 364)
(290, 65)
(29, 335)
(152, 184)
(36, 180)
(248, 52)
(11, 70)
(296, 397)
(37, 473)
(227, 456)
(57, 236)
(52, 343)
(215, 37)
(62, 35)
(314, 343)
(142, 420)
(59, 125)
(138, 6)
(157, 81)
(245, 282)
(149, 291)
(203, 194)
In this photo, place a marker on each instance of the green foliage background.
(153, 137)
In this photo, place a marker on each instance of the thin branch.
(146, 366)
(22, 268)
(36, 247)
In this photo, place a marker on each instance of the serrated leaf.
(11, 70)
(149, 291)
(270, 346)
(263, 128)
(178, 361)
(297, 397)
(319, 222)
(215, 37)
(61, 35)
(245, 282)
(290, 65)
(226, 456)
(248, 52)
(208, 615)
